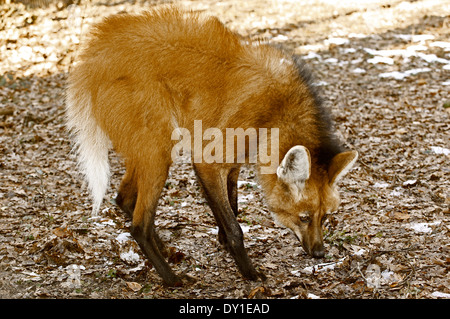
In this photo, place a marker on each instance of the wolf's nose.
(318, 254)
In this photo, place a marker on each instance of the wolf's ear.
(341, 165)
(295, 166)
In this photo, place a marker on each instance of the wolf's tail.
(91, 143)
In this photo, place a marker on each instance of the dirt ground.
(383, 68)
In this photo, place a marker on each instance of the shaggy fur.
(139, 77)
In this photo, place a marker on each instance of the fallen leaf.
(401, 216)
(135, 286)
(256, 292)
(61, 232)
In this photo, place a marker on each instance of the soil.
(383, 68)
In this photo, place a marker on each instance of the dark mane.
(329, 143)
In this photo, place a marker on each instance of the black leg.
(214, 184)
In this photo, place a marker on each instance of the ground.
(383, 68)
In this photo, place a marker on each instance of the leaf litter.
(382, 67)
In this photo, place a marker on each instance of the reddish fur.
(143, 71)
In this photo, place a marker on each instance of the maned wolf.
(142, 78)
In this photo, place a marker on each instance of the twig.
(364, 278)
(402, 250)
(50, 119)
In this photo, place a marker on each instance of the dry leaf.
(135, 286)
(61, 232)
(257, 292)
(401, 216)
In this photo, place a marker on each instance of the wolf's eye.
(305, 219)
